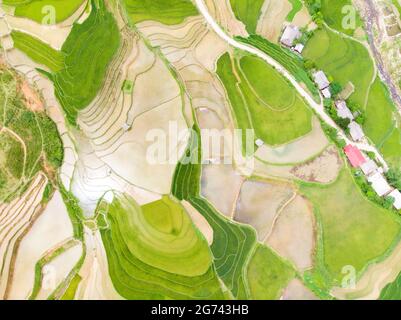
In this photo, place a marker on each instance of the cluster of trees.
(394, 178)
(330, 108)
(315, 7)
(332, 112)
(367, 189)
(333, 135)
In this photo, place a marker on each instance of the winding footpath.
(319, 108)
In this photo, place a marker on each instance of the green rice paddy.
(263, 100)
(155, 252)
(354, 231)
(38, 10)
(169, 12)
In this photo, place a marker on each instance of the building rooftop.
(299, 48)
(369, 167)
(290, 34)
(326, 93)
(354, 156)
(321, 80)
(379, 184)
(343, 111)
(356, 131)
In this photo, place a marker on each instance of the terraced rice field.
(177, 266)
(38, 10)
(77, 84)
(362, 222)
(247, 11)
(249, 82)
(38, 51)
(233, 245)
(169, 12)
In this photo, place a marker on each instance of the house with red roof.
(354, 156)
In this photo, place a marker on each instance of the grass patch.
(38, 10)
(155, 252)
(354, 230)
(248, 11)
(262, 99)
(268, 275)
(169, 12)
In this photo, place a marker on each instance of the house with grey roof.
(290, 34)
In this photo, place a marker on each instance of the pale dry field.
(51, 229)
(297, 151)
(222, 12)
(272, 18)
(54, 36)
(324, 169)
(259, 204)
(293, 234)
(221, 185)
(200, 222)
(16, 218)
(57, 270)
(96, 283)
(296, 290)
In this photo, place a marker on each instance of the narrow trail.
(319, 108)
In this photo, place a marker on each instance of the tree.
(335, 88)
(394, 178)
(388, 202)
(343, 123)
